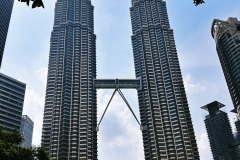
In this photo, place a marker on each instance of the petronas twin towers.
(70, 113)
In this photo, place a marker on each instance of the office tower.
(26, 131)
(219, 133)
(11, 102)
(227, 38)
(164, 110)
(5, 15)
(70, 114)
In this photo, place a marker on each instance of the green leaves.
(197, 2)
(9, 149)
(12, 138)
(36, 3)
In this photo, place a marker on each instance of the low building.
(12, 94)
(26, 131)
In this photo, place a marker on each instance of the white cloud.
(192, 88)
(129, 137)
(204, 148)
(34, 104)
(33, 107)
(42, 75)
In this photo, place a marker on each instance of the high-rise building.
(227, 38)
(26, 131)
(168, 131)
(11, 102)
(237, 125)
(220, 133)
(70, 113)
(5, 16)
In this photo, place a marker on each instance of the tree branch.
(36, 3)
(198, 2)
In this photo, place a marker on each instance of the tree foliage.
(197, 2)
(10, 150)
(36, 3)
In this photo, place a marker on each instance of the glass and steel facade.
(26, 131)
(11, 102)
(70, 114)
(5, 16)
(227, 38)
(168, 131)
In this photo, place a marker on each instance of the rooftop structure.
(220, 133)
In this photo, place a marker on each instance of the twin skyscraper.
(70, 113)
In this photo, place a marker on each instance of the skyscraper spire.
(70, 105)
(164, 110)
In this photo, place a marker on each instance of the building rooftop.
(213, 107)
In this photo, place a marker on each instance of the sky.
(26, 59)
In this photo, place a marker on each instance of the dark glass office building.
(11, 102)
(227, 38)
(168, 131)
(5, 16)
(220, 133)
(26, 131)
(70, 113)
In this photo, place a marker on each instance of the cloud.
(119, 130)
(204, 148)
(192, 88)
(42, 75)
(34, 104)
(33, 107)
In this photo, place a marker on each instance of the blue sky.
(26, 59)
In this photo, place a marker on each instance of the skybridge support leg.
(106, 108)
(125, 100)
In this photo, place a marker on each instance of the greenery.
(197, 2)
(10, 149)
(36, 3)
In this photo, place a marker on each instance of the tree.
(36, 3)
(197, 2)
(9, 149)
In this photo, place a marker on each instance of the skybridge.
(118, 84)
